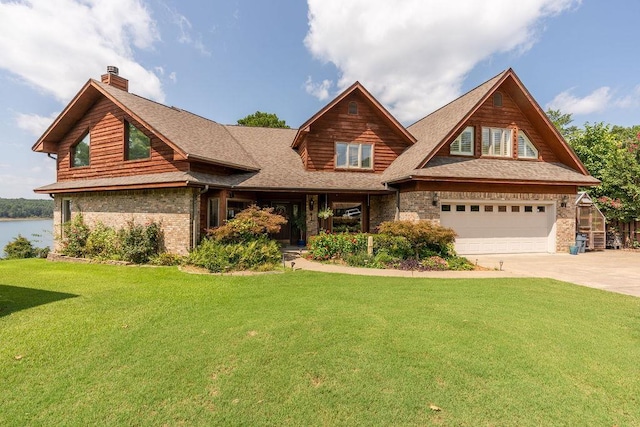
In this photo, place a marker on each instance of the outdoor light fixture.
(435, 199)
(501, 262)
(311, 204)
(563, 202)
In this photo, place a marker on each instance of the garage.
(500, 227)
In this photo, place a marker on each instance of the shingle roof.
(195, 136)
(458, 168)
(432, 129)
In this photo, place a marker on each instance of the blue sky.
(226, 59)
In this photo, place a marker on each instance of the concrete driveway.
(611, 270)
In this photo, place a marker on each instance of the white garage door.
(485, 228)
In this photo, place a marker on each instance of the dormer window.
(497, 99)
(353, 108)
(463, 144)
(81, 152)
(354, 155)
(526, 149)
(137, 144)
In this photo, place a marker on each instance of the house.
(489, 164)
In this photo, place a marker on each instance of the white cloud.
(56, 45)
(185, 36)
(34, 123)
(598, 100)
(630, 100)
(173, 77)
(414, 55)
(319, 90)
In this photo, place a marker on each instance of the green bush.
(422, 235)
(362, 259)
(166, 259)
(395, 246)
(76, 234)
(217, 256)
(459, 263)
(19, 248)
(103, 243)
(140, 242)
(325, 246)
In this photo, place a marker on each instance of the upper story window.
(81, 152)
(526, 149)
(497, 99)
(463, 144)
(496, 142)
(138, 145)
(353, 108)
(354, 155)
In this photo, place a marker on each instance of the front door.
(284, 209)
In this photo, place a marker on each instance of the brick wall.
(172, 208)
(381, 209)
(418, 205)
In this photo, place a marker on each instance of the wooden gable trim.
(392, 121)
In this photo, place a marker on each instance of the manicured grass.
(112, 345)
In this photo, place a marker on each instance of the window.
(445, 208)
(497, 99)
(354, 155)
(353, 108)
(460, 208)
(526, 149)
(213, 215)
(138, 144)
(528, 208)
(66, 210)
(496, 142)
(502, 208)
(515, 208)
(463, 144)
(347, 217)
(475, 208)
(541, 209)
(81, 152)
(236, 206)
(488, 208)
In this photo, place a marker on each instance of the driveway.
(611, 270)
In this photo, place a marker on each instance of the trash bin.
(581, 242)
(573, 250)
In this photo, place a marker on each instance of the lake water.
(38, 231)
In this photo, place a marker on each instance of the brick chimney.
(113, 79)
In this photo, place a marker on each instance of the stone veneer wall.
(381, 209)
(172, 208)
(418, 205)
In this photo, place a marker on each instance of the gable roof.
(436, 129)
(357, 87)
(191, 136)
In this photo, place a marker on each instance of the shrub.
(216, 256)
(166, 259)
(103, 243)
(249, 224)
(362, 259)
(459, 263)
(76, 234)
(422, 235)
(326, 246)
(395, 246)
(139, 242)
(20, 247)
(435, 263)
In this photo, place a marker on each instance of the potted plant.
(300, 224)
(324, 215)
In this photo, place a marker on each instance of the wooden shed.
(590, 221)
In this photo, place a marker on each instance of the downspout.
(49, 155)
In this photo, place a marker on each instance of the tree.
(260, 119)
(561, 122)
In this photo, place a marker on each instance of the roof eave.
(236, 166)
(493, 181)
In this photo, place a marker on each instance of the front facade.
(489, 164)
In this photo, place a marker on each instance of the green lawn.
(113, 345)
